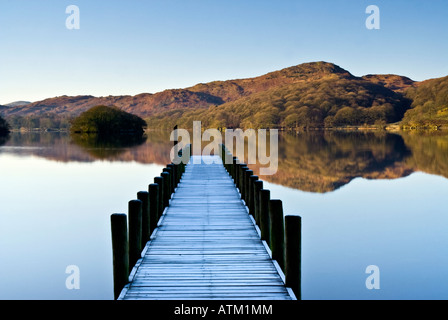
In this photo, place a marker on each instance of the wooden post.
(252, 179)
(276, 231)
(173, 176)
(247, 186)
(258, 185)
(120, 251)
(234, 168)
(242, 181)
(135, 231)
(293, 252)
(170, 180)
(166, 189)
(143, 196)
(241, 169)
(154, 199)
(265, 196)
(229, 162)
(159, 181)
(237, 172)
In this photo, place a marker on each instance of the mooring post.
(258, 185)
(237, 173)
(276, 231)
(243, 181)
(252, 180)
(235, 164)
(143, 196)
(241, 169)
(227, 165)
(265, 196)
(159, 181)
(135, 231)
(153, 190)
(247, 186)
(169, 169)
(293, 252)
(120, 251)
(173, 176)
(166, 189)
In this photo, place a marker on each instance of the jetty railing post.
(234, 169)
(229, 162)
(243, 181)
(153, 190)
(293, 248)
(258, 185)
(276, 231)
(135, 231)
(237, 172)
(252, 180)
(173, 176)
(265, 196)
(166, 189)
(159, 181)
(143, 196)
(170, 180)
(247, 186)
(120, 251)
(241, 177)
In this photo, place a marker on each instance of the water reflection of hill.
(61, 147)
(105, 147)
(429, 151)
(313, 161)
(324, 161)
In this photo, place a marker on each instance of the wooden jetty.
(206, 243)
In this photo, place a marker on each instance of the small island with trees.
(108, 120)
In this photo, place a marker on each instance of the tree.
(4, 127)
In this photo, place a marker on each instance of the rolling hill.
(318, 94)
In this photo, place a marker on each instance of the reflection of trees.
(324, 161)
(309, 161)
(3, 139)
(107, 146)
(429, 151)
(60, 147)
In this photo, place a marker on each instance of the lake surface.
(365, 199)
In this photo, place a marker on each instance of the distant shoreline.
(388, 128)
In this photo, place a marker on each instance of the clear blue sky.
(135, 46)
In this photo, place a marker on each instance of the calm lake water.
(365, 199)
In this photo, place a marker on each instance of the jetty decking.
(206, 246)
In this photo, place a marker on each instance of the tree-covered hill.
(326, 102)
(315, 94)
(429, 103)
